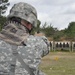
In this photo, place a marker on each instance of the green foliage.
(2, 21)
(58, 34)
(48, 30)
(3, 6)
(66, 34)
(70, 31)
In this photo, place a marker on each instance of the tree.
(3, 6)
(58, 35)
(2, 21)
(70, 31)
(48, 30)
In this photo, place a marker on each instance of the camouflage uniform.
(18, 48)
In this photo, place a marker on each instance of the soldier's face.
(26, 24)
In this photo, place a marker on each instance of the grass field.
(59, 63)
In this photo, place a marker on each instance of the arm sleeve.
(46, 47)
(42, 46)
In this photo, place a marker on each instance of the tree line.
(57, 35)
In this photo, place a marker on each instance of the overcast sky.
(57, 12)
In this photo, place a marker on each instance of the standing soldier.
(20, 52)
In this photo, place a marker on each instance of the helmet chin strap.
(14, 33)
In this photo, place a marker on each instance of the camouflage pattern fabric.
(24, 11)
(14, 33)
(35, 49)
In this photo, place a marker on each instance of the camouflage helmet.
(24, 11)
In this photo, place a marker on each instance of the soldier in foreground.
(20, 52)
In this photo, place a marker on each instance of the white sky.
(59, 13)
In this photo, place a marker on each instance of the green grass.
(59, 63)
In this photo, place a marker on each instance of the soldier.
(20, 52)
